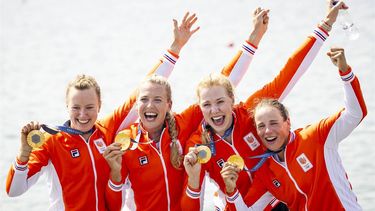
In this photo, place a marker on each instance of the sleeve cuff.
(20, 166)
(171, 57)
(320, 34)
(347, 76)
(193, 193)
(249, 47)
(231, 198)
(115, 186)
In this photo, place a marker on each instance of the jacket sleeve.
(337, 127)
(126, 114)
(192, 199)
(22, 175)
(292, 71)
(257, 197)
(240, 63)
(116, 191)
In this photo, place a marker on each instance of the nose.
(215, 109)
(82, 112)
(267, 129)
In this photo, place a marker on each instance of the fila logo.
(251, 141)
(143, 160)
(276, 183)
(304, 162)
(74, 153)
(220, 163)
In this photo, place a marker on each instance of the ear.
(288, 123)
(170, 105)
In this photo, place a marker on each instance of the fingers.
(334, 53)
(191, 157)
(112, 150)
(33, 125)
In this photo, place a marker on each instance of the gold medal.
(35, 138)
(204, 154)
(236, 160)
(123, 138)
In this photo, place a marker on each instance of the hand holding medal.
(204, 154)
(237, 161)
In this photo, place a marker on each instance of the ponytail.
(176, 149)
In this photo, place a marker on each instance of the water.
(44, 44)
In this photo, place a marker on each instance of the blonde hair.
(215, 80)
(176, 156)
(83, 82)
(210, 81)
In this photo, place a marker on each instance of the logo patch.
(276, 183)
(220, 162)
(74, 153)
(251, 141)
(100, 145)
(304, 162)
(143, 160)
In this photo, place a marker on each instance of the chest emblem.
(304, 162)
(276, 183)
(74, 153)
(220, 162)
(143, 160)
(251, 141)
(100, 145)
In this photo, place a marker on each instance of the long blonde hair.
(176, 152)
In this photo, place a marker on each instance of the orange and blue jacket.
(245, 141)
(312, 176)
(76, 171)
(154, 183)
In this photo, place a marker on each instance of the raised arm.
(340, 125)
(299, 61)
(238, 66)
(23, 174)
(126, 114)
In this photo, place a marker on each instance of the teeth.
(216, 118)
(151, 114)
(271, 138)
(83, 121)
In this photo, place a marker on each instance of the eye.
(220, 102)
(89, 107)
(143, 99)
(205, 105)
(260, 126)
(75, 108)
(158, 100)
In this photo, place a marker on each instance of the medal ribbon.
(65, 128)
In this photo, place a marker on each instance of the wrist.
(193, 183)
(325, 26)
(175, 48)
(255, 37)
(116, 176)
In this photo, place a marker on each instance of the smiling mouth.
(150, 116)
(218, 121)
(83, 121)
(271, 139)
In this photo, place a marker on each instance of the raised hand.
(113, 156)
(192, 167)
(229, 173)
(183, 32)
(260, 25)
(333, 10)
(337, 57)
(25, 149)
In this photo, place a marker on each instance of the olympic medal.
(123, 138)
(236, 160)
(204, 154)
(35, 138)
